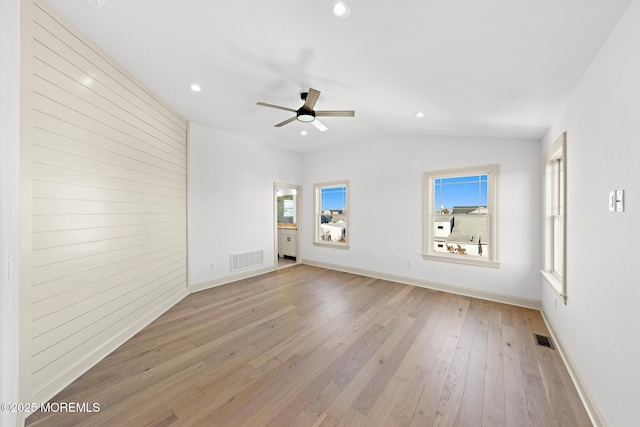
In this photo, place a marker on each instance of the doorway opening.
(287, 242)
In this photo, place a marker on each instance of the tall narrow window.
(461, 215)
(332, 214)
(555, 216)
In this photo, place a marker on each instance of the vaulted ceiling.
(492, 68)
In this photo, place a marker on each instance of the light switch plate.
(620, 200)
(612, 201)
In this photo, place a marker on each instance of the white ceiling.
(492, 68)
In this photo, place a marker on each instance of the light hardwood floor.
(304, 346)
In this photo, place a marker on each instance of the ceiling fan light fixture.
(306, 116)
(340, 8)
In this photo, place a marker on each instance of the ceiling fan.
(307, 114)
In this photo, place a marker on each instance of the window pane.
(460, 191)
(558, 241)
(332, 218)
(461, 217)
(334, 198)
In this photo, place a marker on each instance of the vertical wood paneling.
(109, 174)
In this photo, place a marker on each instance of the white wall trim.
(298, 189)
(587, 400)
(489, 296)
(230, 278)
(47, 391)
(10, 196)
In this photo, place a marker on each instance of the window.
(555, 220)
(332, 214)
(461, 221)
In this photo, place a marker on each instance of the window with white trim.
(461, 215)
(555, 219)
(332, 214)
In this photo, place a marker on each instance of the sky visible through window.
(460, 191)
(334, 198)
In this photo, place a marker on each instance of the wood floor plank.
(515, 399)
(451, 400)
(407, 368)
(352, 418)
(473, 394)
(370, 395)
(356, 386)
(317, 395)
(307, 346)
(427, 407)
(493, 405)
(408, 402)
(221, 396)
(274, 397)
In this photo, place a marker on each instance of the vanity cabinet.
(287, 242)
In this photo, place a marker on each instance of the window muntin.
(461, 215)
(331, 214)
(555, 217)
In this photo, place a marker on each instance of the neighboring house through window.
(461, 215)
(332, 214)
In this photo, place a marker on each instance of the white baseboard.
(47, 391)
(490, 296)
(594, 414)
(230, 278)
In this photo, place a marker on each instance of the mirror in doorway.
(286, 208)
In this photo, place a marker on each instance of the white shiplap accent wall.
(109, 196)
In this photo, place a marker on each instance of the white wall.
(231, 200)
(599, 324)
(9, 189)
(386, 209)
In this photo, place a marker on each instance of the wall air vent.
(544, 341)
(244, 260)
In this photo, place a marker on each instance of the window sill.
(556, 284)
(331, 245)
(458, 259)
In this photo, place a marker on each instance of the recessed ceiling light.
(95, 3)
(196, 87)
(419, 114)
(303, 133)
(339, 8)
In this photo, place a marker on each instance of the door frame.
(298, 189)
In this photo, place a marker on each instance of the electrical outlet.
(212, 266)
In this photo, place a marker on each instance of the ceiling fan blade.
(285, 122)
(335, 113)
(264, 104)
(321, 126)
(312, 98)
